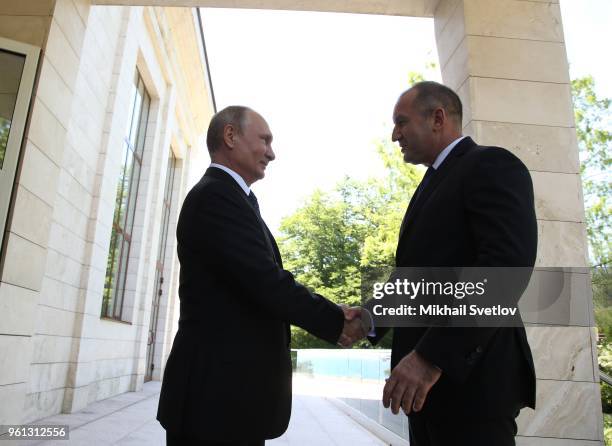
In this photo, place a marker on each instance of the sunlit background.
(326, 83)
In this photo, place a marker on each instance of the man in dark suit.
(228, 377)
(474, 208)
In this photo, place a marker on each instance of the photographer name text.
(443, 310)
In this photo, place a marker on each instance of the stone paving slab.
(129, 420)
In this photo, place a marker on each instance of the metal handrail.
(605, 377)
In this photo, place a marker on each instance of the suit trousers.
(179, 440)
(425, 431)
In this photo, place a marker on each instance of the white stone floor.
(129, 419)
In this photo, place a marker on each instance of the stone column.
(507, 61)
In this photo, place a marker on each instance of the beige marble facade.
(507, 61)
(58, 354)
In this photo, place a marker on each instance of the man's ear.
(229, 134)
(439, 118)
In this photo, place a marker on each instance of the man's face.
(412, 131)
(253, 148)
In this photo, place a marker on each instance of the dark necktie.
(421, 187)
(253, 199)
(424, 182)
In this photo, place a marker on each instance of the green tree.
(593, 128)
(322, 243)
(389, 198)
(5, 127)
(329, 240)
(335, 234)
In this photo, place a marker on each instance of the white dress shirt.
(235, 176)
(444, 153)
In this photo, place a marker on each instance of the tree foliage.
(594, 130)
(327, 241)
(593, 127)
(5, 127)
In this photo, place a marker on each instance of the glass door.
(159, 266)
(18, 63)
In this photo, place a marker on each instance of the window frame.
(134, 140)
(18, 124)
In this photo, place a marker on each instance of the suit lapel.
(224, 176)
(407, 213)
(416, 204)
(272, 243)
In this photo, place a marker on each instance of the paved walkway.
(129, 419)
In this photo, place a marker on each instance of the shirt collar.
(444, 153)
(234, 175)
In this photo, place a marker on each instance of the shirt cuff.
(367, 322)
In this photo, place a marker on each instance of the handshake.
(357, 325)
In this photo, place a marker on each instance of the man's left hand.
(409, 383)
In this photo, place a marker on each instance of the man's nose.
(270, 154)
(395, 135)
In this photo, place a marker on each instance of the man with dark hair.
(473, 208)
(228, 378)
(430, 95)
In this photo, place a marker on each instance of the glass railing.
(356, 377)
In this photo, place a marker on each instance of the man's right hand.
(353, 330)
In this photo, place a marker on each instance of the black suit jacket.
(228, 376)
(476, 210)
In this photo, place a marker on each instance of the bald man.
(473, 208)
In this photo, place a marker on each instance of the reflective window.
(125, 201)
(18, 63)
(10, 76)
